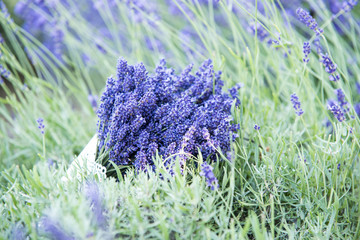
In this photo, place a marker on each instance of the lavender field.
(179, 119)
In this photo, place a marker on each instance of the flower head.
(306, 51)
(259, 30)
(296, 104)
(348, 5)
(4, 73)
(341, 100)
(336, 110)
(257, 127)
(330, 67)
(207, 172)
(41, 125)
(308, 20)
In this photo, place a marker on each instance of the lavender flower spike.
(330, 67)
(341, 99)
(41, 125)
(306, 51)
(336, 110)
(53, 230)
(308, 20)
(211, 180)
(296, 104)
(92, 192)
(348, 5)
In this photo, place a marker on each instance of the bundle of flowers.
(175, 116)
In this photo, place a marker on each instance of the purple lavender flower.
(257, 127)
(330, 67)
(93, 101)
(336, 110)
(257, 28)
(4, 73)
(39, 20)
(308, 20)
(5, 11)
(296, 104)
(142, 9)
(341, 100)
(43, 20)
(92, 193)
(207, 172)
(53, 230)
(141, 161)
(190, 41)
(141, 114)
(177, 8)
(328, 124)
(18, 232)
(306, 51)
(357, 109)
(358, 87)
(41, 125)
(348, 5)
(338, 166)
(205, 134)
(50, 163)
(234, 93)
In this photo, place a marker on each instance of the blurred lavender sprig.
(207, 172)
(41, 125)
(348, 5)
(341, 100)
(296, 104)
(306, 51)
(18, 232)
(53, 230)
(308, 20)
(93, 194)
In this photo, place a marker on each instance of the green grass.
(267, 191)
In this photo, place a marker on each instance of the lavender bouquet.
(142, 115)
